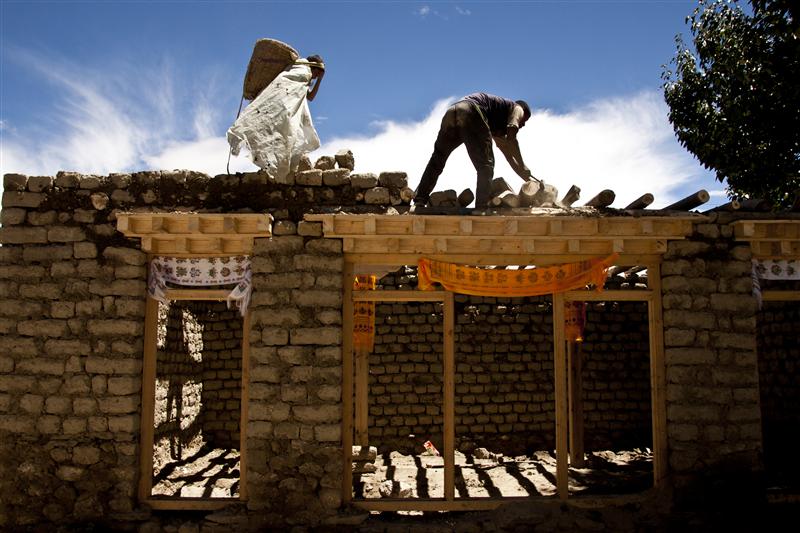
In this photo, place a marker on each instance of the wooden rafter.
(206, 234)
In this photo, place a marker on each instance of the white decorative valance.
(204, 272)
(778, 269)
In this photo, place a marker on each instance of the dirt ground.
(208, 473)
(485, 474)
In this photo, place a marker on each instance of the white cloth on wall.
(202, 272)
(778, 269)
(773, 269)
(276, 127)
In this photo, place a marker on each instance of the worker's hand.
(527, 176)
(511, 131)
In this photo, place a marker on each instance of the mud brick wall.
(779, 380)
(72, 300)
(222, 372)
(616, 376)
(504, 374)
(178, 417)
(71, 328)
(713, 415)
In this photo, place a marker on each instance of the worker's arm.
(515, 119)
(510, 149)
(316, 74)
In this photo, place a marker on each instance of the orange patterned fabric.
(527, 282)
(364, 316)
(574, 320)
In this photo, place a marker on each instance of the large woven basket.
(270, 58)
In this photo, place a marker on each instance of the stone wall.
(504, 374)
(179, 414)
(72, 300)
(713, 415)
(72, 321)
(222, 372)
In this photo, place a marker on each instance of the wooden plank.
(419, 226)
(148, 398)
(611, 295)
(347, 382)
(658, 382)
(362, 397)
(484, 259)
(465, 226)
(393, 225)
(197, 294)
(449, 397)
(511, 227)
(780, 296)
(399, 296)
(245, 407)
(461, 504)
(191, 504)
(575, 389)
(369, 226)
(560, 373)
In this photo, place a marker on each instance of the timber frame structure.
(190, 235)
(380, 243)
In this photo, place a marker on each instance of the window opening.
(610, 401)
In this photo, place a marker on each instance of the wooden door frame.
(147, 430)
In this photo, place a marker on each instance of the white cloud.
(423, 11)
(125, 120)
(463, 11)
(624, 144)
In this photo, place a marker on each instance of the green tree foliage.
(734, 99)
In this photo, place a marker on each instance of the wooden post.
(576, 444)
(560, 374)
(347, 383)
(148, 398)
(245, 407)
(362, 397)
(448, 343)
(658, 385)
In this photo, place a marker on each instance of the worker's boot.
(483, 191)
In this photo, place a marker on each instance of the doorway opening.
(778, 324)
(505, 389)
(194, 401)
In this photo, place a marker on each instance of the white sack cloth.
(276, 127)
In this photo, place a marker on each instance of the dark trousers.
(462, 123)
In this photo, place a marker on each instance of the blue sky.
(112, 86)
